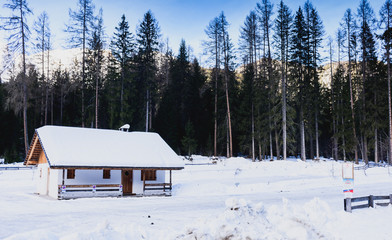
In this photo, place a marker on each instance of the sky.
(180, 19)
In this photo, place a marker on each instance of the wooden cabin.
(83, 162)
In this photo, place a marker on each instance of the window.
(70, 173)
(151, 175)
(106, 174)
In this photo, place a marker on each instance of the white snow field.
(233, 199)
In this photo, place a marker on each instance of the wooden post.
(371, 201)
(171, 181)
(63, 176)
(144, 180)
(347, 205)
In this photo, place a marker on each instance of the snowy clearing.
(233, 199)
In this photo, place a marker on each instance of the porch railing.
(99, 190)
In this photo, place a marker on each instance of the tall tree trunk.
(52, 107)
(343, 142)
(26, 137)
(122, 93)
(389, 92)
(216, 94)
(277, 144)
(253, 136)
(271, 147)
(311, 146)
(96, 100)
(84, 58)
(61, 103)
(302, 133)
(352, 98)
(47, 82)
(147, 108)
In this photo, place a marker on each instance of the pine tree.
(227, 51)
(250, 38)
(348, 26)
(43, 34)
(386, 21)
(96, 59)
(148, 34)
(79, 29)
(122, 46)
(213, 46)
(316, 32)
(366, 18)
(281, 37)
(265, 12)
(17, 41)
(298, 59)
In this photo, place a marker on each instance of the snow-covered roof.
(87, 147)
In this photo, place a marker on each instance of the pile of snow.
(245, 220)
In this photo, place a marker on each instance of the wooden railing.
(370, 201)
(99, 190)
(157, 186)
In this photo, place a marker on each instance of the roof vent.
(124, 128)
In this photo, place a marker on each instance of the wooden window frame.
(151, 175)
(70, 173)
(106, 174)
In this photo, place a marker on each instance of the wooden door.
(126, 181)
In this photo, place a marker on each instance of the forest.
(261, 97)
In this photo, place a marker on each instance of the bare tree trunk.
(352, 100)
(302, 132)
(47, 82)
(61, 103)
(271, 148)
(343, 142)
(229, 118)
(284, 121)
(277, 144)
(26, 137)
(311, 146)
(147, 108)
(253, 136)
(96, 100)
(84, 58)
(389, 93)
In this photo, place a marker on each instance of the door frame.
(125, 183)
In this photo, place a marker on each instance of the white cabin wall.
(92, 177)
(42, 178)
(53, 182)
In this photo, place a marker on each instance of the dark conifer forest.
(275, 93)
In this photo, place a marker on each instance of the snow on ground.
(232, 199)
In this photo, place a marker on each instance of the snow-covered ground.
(233, 199)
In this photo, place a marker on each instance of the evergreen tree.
(298, 60)
(281, 37)
(213, 46)
(148, 34)
(348, 26)
(386, 21)
(43, 34)
(366, 19)
(227, 56)
(17, 40)
(79, 28)
(249, 39)
(96, 59)
(122, 46)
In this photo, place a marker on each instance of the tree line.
(262, 97)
